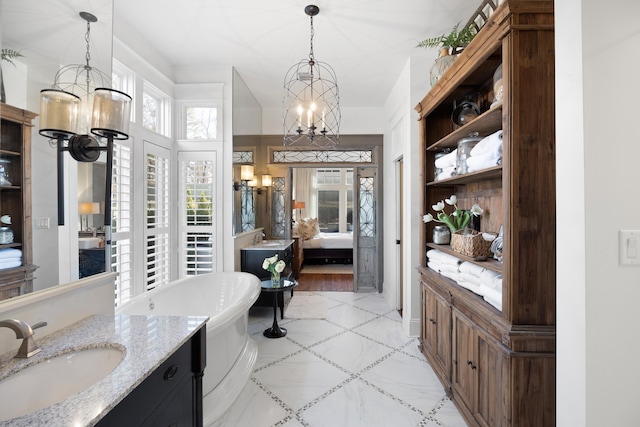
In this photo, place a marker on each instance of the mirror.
(50, 34)
(247, 125)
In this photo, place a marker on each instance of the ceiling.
(367, 42)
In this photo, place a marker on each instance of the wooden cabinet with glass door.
(511, 342)
(16, 262)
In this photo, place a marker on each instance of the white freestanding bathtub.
(231, 353)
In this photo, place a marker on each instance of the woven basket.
(471, 245)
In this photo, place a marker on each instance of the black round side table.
(276, 331)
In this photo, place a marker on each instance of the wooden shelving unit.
(498, 365)
(15, 199)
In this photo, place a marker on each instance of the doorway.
(399, 232)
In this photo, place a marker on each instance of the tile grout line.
(298, 414)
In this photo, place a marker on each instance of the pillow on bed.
(308, 228)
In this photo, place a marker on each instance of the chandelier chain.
(87, 38)
(311, 61)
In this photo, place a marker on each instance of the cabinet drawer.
(144, 399)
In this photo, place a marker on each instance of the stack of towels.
(486, 153)
(473, 277)
(447, 165)
(10, 257)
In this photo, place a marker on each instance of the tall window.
(157, 230)
(197, 219)
(121, 210)
(156, 110)
(334, 189)
(123, 79)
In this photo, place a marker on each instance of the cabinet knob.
(470, 363)
(170, 372)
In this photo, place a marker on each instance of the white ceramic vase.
(441, 65)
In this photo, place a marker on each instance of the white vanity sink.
(88, 242)
(270, 244)
(54, 379)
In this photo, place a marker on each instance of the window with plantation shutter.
(197, 212)
(121, 210)
(157, 218)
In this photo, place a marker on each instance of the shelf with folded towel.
(489, 264)
(494, 172)
(486, 123)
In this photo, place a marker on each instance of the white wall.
(402, 140)
(597, 174)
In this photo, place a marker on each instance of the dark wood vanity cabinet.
(169, 396)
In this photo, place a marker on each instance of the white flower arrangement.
(274, 266)
(458, 219)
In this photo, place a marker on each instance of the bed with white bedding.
(329, 246)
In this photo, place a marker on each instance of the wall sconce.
(246, 172)
(60, 109)
(59, 120)
(266, 183)
(85, 209)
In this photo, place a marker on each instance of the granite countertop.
(147, 342)
(275, 245)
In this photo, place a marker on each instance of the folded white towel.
(10, 253)
(491, 279)
(492, 296)
(447, 160)
(471, 278)
(471, 268)
(443, 268)
(442, 257)
(473, 287)
(450, 275)
(474, 165)
(446, 173)
(488, 144)
(10, 264)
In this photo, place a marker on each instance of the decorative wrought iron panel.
(367, 213)
(322, 156)
(278, 216)
(242, 157)
(248, 210)
(367, 262)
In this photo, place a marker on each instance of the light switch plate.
(629, 247)
(42, 223)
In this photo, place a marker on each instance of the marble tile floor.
(355, 368)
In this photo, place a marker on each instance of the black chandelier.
(311, 104)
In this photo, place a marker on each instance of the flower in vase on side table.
(275, 267)
(456, 220)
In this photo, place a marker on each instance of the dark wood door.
(464, 364)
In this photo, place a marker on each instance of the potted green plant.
(454, 42)
(450, 46)
(7, 55)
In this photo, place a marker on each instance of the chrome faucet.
(258, 237)
(24, 331)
